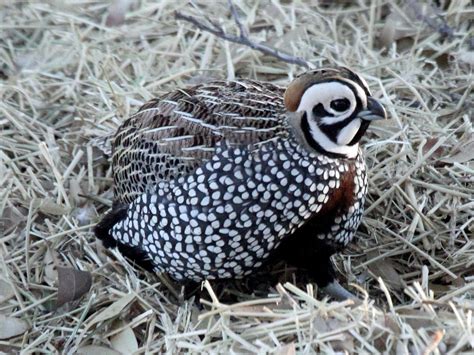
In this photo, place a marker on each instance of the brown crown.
(298, 86)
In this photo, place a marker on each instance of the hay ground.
(72, 71)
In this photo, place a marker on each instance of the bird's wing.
(173, 135)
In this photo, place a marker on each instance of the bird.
(213, 180)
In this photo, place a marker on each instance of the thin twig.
(243, 37)
(242, 30)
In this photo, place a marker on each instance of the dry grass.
(67, 75)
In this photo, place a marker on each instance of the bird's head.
(331, 109)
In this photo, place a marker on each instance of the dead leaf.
(12, 217)
(6, 291)
(72, 284)
(430, 143)
(125, 341)
(48, 206)
(385, 269)
(96, 350)
(381, 334)
(343, 342)
(11, 327)
(464, 154)
(113, 310)
(391, 323)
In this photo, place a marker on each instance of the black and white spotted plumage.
(210, 180)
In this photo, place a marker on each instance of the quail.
(212, 180)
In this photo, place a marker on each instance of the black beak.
(375, 111)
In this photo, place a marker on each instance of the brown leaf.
(11, 327)
(385, 269)
(430, 143)
(113, 310)
(125, 341)
(391, 323)
(464, 154)
(72, 284)
(12, 217)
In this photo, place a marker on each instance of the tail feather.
(103, 229)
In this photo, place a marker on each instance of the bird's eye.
(340, 105)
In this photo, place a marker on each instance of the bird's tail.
(103, 231)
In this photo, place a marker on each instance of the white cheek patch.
(324, 93)
(319, 137)
(348, 133)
